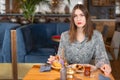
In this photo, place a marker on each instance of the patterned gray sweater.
(83, 52)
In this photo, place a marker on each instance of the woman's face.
(79, 18)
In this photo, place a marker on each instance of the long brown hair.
(88, 29)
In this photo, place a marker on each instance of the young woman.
(81, 43)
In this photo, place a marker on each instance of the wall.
(101, 12)
(45, 8)
(100, 24)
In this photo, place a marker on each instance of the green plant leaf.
(68, 1)
(29, 7)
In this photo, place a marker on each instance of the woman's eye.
(82, 15)
(75, 15)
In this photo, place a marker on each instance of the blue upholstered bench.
(34, 43)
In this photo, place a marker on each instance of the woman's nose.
(78, 18)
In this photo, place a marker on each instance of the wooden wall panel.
(16, 6)
(111, 25)
(7, 6)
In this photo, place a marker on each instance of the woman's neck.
(79, 30)
(80, 35)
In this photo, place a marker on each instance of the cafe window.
(2, 6)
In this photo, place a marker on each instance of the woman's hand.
(52, 59)
(106, 69)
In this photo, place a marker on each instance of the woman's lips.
(79, 23)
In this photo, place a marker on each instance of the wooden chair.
(109, 48)
(116, 43)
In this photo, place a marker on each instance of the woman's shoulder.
(96, 33)
(97, 36)
(65, 33)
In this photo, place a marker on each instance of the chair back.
(109, 49)
(105, 32)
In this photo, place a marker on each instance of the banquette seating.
(5, 41)
(34, 43)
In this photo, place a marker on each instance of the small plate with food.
(78, 67)
(56, 65)
(81, 67)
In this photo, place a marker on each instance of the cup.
(70, 73)
(87, 71)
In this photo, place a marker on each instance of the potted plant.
(28, 7)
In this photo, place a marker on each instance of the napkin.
(102, 77)
(45, 68)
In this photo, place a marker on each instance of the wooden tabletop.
(35, 74)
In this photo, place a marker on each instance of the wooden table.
(35, 74)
